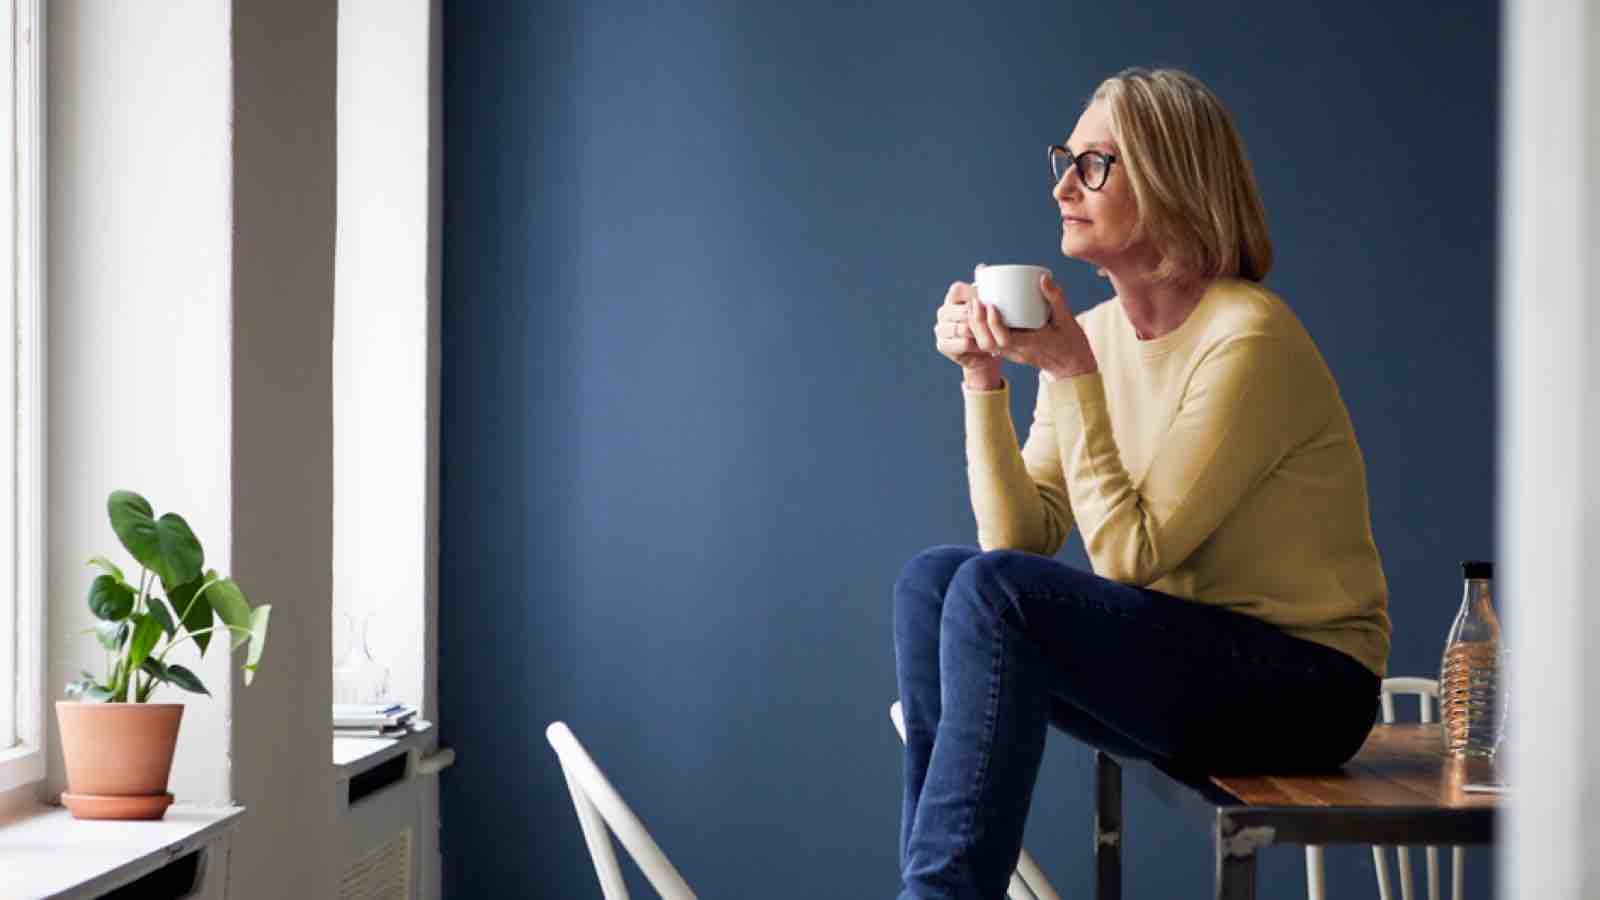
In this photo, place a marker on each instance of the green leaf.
(111, 634)
(107, 566)
(116, 684)
(146, 631)
(258, 640)
(110, 599)
(181, 555)
(158, 611)
(88, 691)
(186, 679)
(192, 604)
(157, 673)
(134, 522)
(232, 608)
(165, 546)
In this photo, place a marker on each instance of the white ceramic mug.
(1014, 290)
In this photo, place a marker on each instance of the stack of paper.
(371, 719)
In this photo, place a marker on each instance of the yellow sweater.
(1215, 463)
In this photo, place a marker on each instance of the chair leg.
(1380, 865)
(1458, 872)
(1433, 873)
(1018, 889)
(1034, 878)
(1107, 827)
(1405, 872)
(1316, 886)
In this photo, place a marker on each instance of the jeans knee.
(991, 583)
(980, 582)
(920, 589)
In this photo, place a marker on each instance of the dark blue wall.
(693, 421)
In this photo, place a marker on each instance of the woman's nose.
(1068, 186)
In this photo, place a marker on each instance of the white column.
(1549, 511)
(284, 200)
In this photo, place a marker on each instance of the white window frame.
(22, 535)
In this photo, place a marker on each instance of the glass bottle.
(1471, 703)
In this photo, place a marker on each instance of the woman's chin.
(1071, 250)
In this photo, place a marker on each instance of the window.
(21, 404)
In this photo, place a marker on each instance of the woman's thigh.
(1185, 680)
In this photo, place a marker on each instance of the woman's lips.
(1073, 220)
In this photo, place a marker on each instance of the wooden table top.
(1398, 766)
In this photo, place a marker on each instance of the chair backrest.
(1426, 690)
(599, 805)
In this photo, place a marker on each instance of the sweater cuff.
(989, 425)
(986, 402)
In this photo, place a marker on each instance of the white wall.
(1549, 488)
(382, 457)
(138, 272)
(385, 353)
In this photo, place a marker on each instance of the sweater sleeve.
(1243, 409)
(1019, 498)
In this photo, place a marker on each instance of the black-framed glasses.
(1093, 166)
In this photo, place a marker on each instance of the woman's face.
(1097, 226)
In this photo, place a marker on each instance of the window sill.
(46, 853)
(19, 767)
(352, 756)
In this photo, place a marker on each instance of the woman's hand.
(952, 335)
(1060, 349)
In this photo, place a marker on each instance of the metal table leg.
(1107, 827)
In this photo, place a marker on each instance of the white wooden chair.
(1028, 881)
(599, 805)
(1426, 690)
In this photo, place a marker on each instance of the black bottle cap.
(1477, 568)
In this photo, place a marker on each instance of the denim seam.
(960, 858)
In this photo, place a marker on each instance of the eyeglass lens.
(1091, 167)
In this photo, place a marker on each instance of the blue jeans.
(992, 648)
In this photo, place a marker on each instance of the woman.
(1237, 616)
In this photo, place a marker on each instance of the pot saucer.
(117, 806)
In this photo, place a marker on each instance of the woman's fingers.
(944, 331)
(956, 347)
(1054, 298)
(996, 325)
(959, 293)
(980, 328)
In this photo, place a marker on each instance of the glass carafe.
(1471, 696)
(358, 677)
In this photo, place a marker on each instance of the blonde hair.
(1197, 197)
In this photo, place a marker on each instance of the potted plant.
(117, 745)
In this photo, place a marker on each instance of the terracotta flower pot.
(118, 757)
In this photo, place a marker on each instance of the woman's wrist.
(981, 381)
